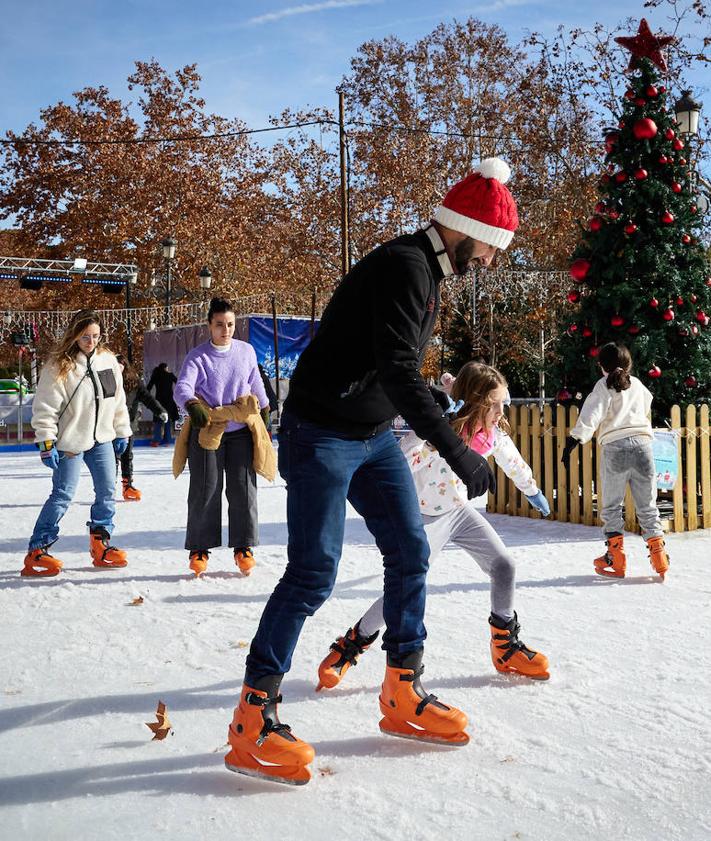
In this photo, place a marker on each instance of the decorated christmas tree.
(640, 275)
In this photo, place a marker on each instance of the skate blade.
(457, 740)
(609, 573)
(542, 676)
(113, 565)
(296, 776)
(47, 572)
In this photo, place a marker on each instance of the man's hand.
(120, 446)
(475, 472)
(199, 415)
(570, 444)
(50, 458)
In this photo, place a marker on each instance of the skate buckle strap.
(430, 699)
(257, 700)
(413, 675)
(350, 649)
(279, 728)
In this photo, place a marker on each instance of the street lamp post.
(168, 246)
(686, 111)
(205, 278)
(131, 280)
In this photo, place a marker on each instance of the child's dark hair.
(219, 305)
(617, 361)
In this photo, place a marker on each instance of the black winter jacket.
(362, 367)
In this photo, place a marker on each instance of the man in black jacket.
(335, 444)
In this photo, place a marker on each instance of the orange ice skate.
(38, 562)
(261, 746)
(658, 557)
(130, 494)
(198, 561)
(102, 552)
(409, 712)
(511, 655)
(614, 562)
(244, 559)
(344, 653)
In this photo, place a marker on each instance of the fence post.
(691, 498)
(574, 480)
(548, 476)
(536, 452)
(560, 428)
(520, 501)
(705, 467)
(678, 492)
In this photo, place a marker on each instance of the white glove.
(164, 417)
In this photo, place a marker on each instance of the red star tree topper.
(646, 45)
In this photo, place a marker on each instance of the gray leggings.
(466, 528)
(629, 460)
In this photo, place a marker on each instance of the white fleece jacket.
(614, 414)
(96, 413)
(440, 490)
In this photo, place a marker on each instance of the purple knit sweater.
(220, 378)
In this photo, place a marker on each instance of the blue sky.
(256, 58)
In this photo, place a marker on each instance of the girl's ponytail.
(616, 359)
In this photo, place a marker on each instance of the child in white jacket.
(79, 415)
(479, 395)
(618, 410)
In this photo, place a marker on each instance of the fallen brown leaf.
(162, 727)
(138, 600)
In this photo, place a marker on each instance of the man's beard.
(463, 255)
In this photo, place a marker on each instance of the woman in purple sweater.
(219, 371)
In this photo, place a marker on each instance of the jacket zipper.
(90, 371)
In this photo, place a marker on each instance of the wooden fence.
(574, 494)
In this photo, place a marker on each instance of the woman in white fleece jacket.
(79, 415)
(618, 409)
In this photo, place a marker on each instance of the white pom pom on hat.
(481, 206)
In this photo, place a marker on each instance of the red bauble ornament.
(594, 351)
(694, 330)
(663, 159)
(595, 224)
(573, 296)
(621, 177)
(655, 372)
(680, 301)
(670, 134)
(683, 332)
(686, 239)
(653, 303)
(701, 317)
(579, 269)
(693, 298)
(587, 332)
(652, 91)
(667, 218)
(604, 178)
(640, 101)
(614, 215)
(676, 187)
(630, 228)
(640, 174)
(617, 320)
(621, 124)
(662, 89)
(633, 329)
(682, 161)
(693, 208)
(668, 314)
(572, 328)
(690, 381)
(629, 94)
(644, 128)
(611, 140)
(677, 145)
(708, 281)
(564, 395)
(600, 207)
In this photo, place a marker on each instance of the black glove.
(440, 398)
(199, 415)
(475, 472)
(570, 444)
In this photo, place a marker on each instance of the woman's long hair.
(474, 384)
(617, 361)
(64, 353)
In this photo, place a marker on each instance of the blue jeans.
(164, 429)
(322, 469)
(101, 461)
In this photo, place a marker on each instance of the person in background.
(163, 379)
(213, 374)
(136, 394)
(618, 410)
(79, 416)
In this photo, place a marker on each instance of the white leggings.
(466, 528)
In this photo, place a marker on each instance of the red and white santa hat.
(481, 206)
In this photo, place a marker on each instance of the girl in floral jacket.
(479, 395)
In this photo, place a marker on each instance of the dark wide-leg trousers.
(230, 466)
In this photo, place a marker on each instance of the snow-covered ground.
(616, 745)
